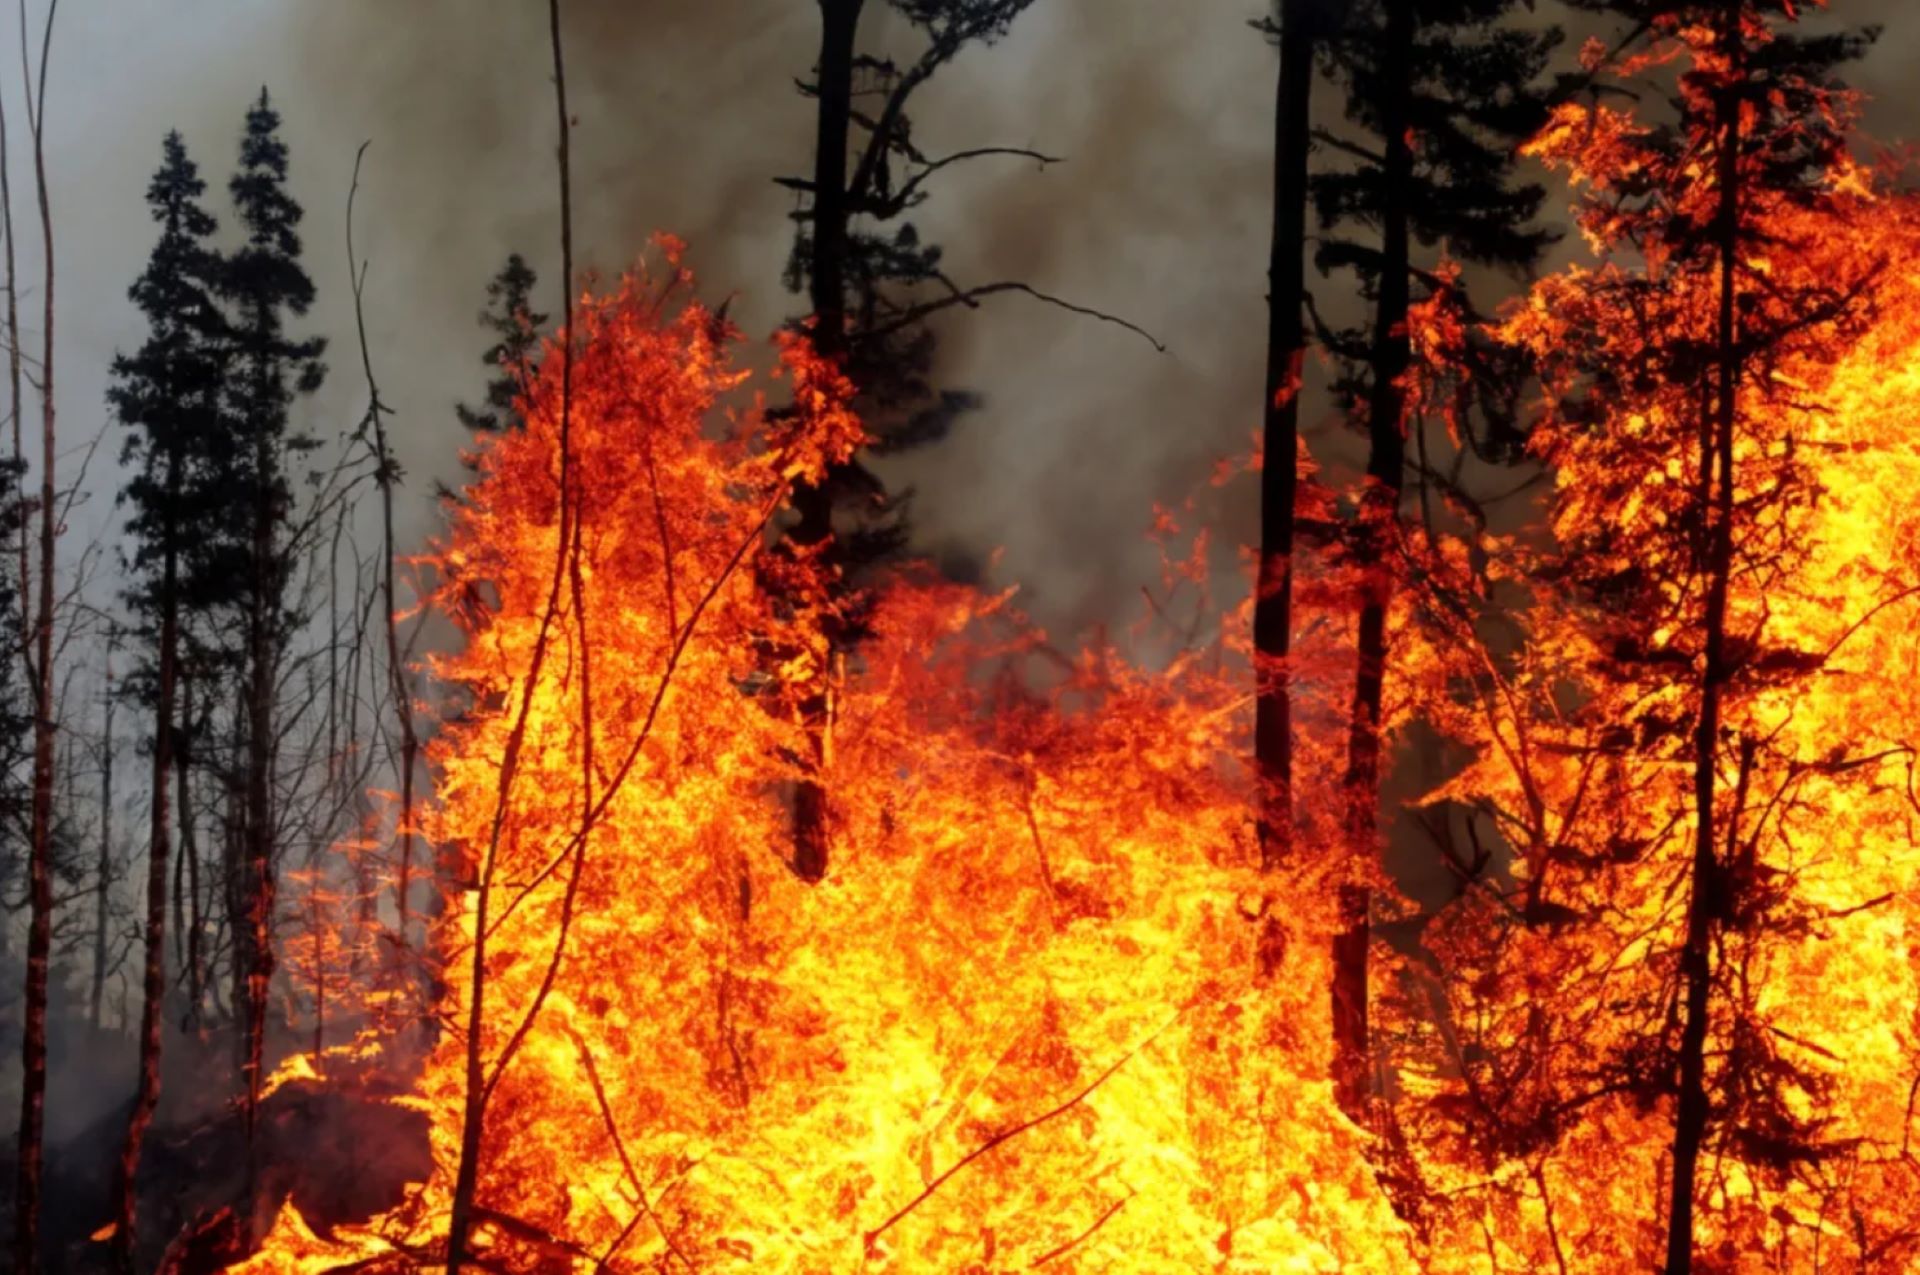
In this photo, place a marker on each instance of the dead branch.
(626, 1161)
(970, 298)
(386, 476)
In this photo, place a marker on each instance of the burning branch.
(626, 1161)
(478, 1088)
(871, 1238)
(576, 845)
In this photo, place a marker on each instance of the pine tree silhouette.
(264, 285)
(168, 395)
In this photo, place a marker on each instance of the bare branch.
(970, 298)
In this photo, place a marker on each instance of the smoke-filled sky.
(686, 111)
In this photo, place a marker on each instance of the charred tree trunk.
(839, 29)
(233, 819)
(1379, 516)
(254, 942)
(1286, 347)
(154, 989)
(179, 927)
(466, 1184)
(1696, 961)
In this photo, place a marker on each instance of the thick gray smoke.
(686, 112)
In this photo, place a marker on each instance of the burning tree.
(1701, 805)
(1439, 96)
(965, 1046)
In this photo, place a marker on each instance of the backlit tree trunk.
(1716, 467)
(839, 27)
(154, 984)
(1379, 515)
(1286, 347)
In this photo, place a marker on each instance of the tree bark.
(33, 1084)
(1696, 961)
(839, 30)
(103, 870)
(1379, 516)
(147, 1094)
(1286, 347)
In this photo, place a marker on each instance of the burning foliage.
(1046, 1010)
(1022, 1021)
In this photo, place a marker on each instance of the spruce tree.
(264, 285)
(511, 319)
(168, 396)
(1439, 94)
(1707, 341)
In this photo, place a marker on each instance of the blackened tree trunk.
(1286, 348)
(839, 30)
(1379, 518)
(1716, 465)
(196, 977)
(256, 945)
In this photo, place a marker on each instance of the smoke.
(686, 112)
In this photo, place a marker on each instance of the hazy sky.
(686, 110)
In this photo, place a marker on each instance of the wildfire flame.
(1019, 1024)
(1045, 1011)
